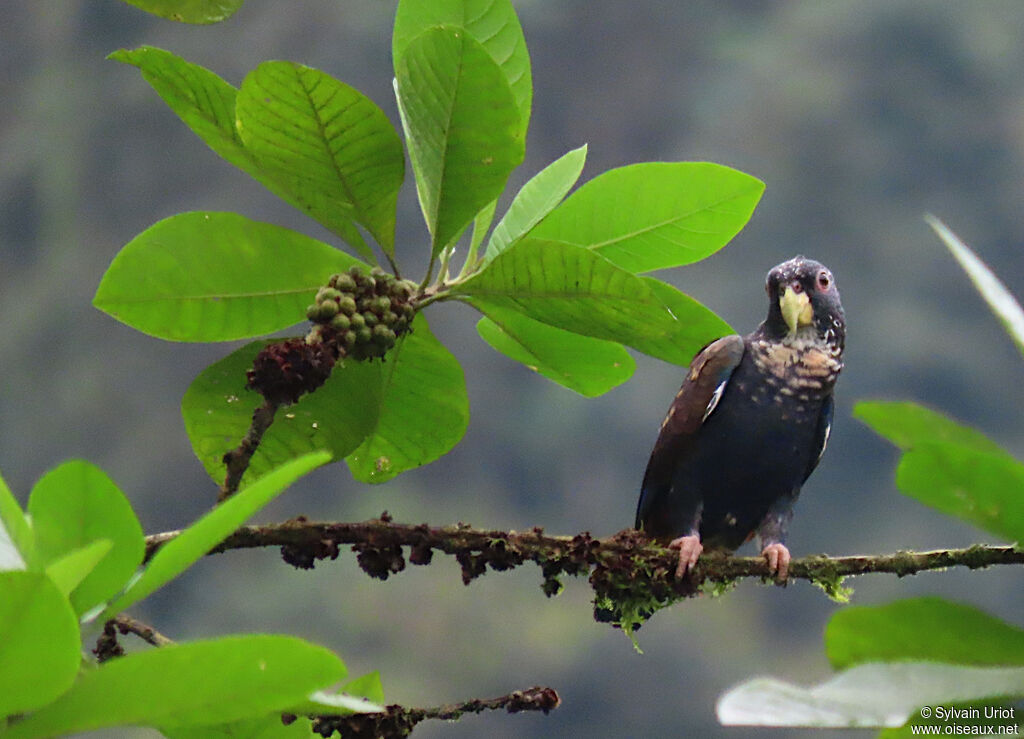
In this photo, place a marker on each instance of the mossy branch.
(631, 576)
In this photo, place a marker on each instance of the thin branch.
(378, 544)
(398, 721)
(107, 646)
(237, 460)
(129, 625)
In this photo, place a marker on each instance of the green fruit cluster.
(362, 315)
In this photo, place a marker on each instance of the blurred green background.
(858, 116)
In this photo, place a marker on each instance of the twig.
(237, 460)
(129, 625)
(398, 721)
(107, 646)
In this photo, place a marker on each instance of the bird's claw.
(778, 558)
(690, 549)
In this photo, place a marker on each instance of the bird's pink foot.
(689, 549)
(778, 558)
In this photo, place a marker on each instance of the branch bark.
(627, 555)
(237, 460)
(398, 721)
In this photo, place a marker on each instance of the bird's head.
(804, 301)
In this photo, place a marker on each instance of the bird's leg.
(772, 535)
(689, 550)
(778, 559)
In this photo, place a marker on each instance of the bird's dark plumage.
(749, 424)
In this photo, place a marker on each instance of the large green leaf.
(589, 366)
(39, 650)
(984, 489)
(326, 142)
(536, 199)
(462, 127)
(999, 299)
(575, 289)
(76, 504)
(908, 424)
(190, 11)
(205, 682)
(206, 104)
(696, 325)
(922, 629)
(194, 542)
(217, 409)
(215, 277)
(656, 214)
(491, 22)
(423, 409)
(17, 547)
(873, 694)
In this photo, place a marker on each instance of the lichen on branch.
(631, 575)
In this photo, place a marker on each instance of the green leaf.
(873, 694)
(206, 104)
(39, 651)
(76, 504)
(577, 290)
(366, 686)
(206, 682)
(202, 99)
(264, 727)
(696, 325)
(922, 629)
(190, 11)
(984, 489)
(536, 199)
(329, 144)
(217, 409)
(216, 277)
(365, 694)
(17, 545)
(423, 408)
(589, 366)
(462, 127)
(656, 214)
(908, 424)
(194, 542)
(493, 23)
(69, 571)
(999, 299)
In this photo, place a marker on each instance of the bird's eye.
(824, 280)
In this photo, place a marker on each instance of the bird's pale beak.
(796, 309)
